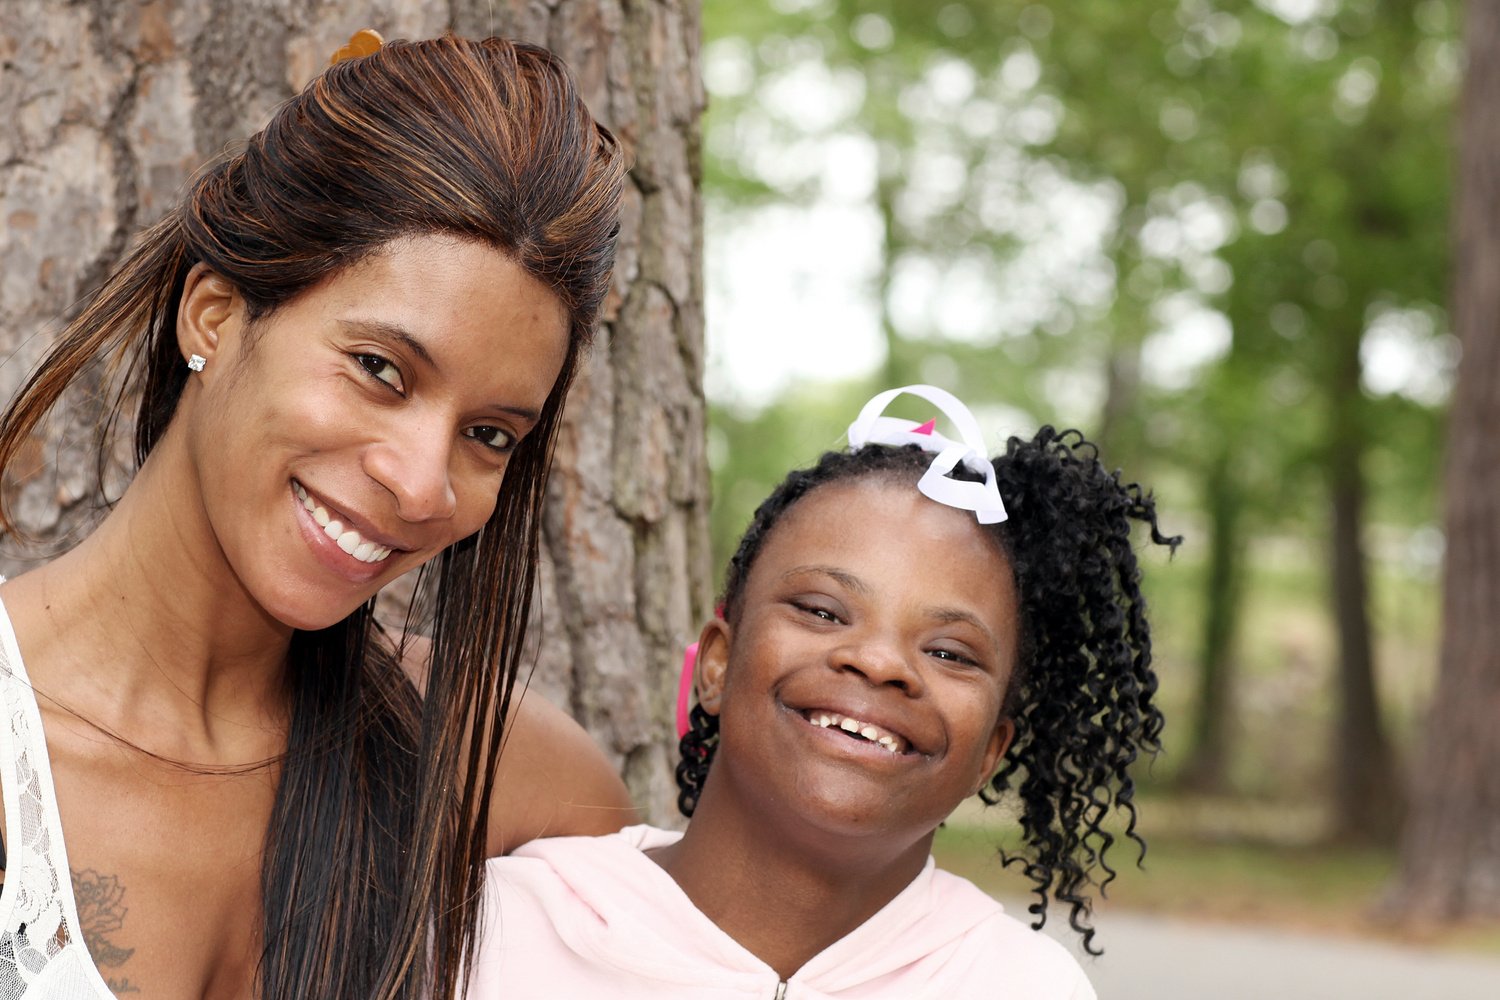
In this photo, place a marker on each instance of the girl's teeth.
(320, 515)
(879, 737)
(349, 541)
(333, 529)
(363, 552)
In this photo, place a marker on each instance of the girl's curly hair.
(1081, 694)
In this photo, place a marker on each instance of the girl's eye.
(494, 438)
(951, 656)
(816, 611)
(381, 369)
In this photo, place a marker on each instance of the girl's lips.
(886, 739)
(363, 547)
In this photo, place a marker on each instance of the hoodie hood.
(612, 905)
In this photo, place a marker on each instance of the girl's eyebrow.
(844, 577)
(949, 616)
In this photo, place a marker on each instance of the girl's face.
(367, 424)
(861, 686)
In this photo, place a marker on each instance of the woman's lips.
(348, 538)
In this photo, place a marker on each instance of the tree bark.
(1450, 859)
(110, 107)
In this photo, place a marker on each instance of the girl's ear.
(1000, 740)
(210, 313)
(713, 661)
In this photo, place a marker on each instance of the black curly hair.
(1081, 694)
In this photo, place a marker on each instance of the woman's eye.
(492, 437)
(380, 368)
(951, 656)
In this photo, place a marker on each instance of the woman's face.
(366, 425)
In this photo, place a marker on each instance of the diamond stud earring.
(196, 362)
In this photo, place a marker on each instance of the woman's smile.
(366, 549)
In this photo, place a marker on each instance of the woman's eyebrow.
(391, 331)
(399, 334)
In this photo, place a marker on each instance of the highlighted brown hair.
(373, 860)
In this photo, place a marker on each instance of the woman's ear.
(209, 314)
(713, 661)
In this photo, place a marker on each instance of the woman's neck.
(785, 894)
(142, 629)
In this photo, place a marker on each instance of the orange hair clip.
(362, 43)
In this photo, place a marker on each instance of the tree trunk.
(1207, 769)
(110, 107)
(1450, 859)
(1367, 786)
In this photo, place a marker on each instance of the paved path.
(1157, 958)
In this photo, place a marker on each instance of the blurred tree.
(112, 107)
(1450, 859)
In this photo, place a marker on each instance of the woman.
(351, 345)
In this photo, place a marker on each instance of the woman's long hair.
(373, 858)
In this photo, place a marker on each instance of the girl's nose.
(880, 660)
(415, 469)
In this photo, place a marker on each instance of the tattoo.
(101, 911)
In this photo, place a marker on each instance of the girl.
(350, 346)
(905, 624)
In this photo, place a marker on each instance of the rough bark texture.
(1450, 863)
(109, 107)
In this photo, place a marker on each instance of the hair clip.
(362, 43)
(981, 498)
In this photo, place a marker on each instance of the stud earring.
(196, 362)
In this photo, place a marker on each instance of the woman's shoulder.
(553, 780)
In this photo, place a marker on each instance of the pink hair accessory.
(685, 688)
(685, 682)
(981, 498)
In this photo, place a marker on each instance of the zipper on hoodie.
(781, 990)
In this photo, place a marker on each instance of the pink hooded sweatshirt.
(585, 918)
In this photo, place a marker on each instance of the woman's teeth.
(347, 538)
(874, 734)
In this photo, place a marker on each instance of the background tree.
(1450, 860)
(111, 106)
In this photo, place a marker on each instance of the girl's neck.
(143, 629)
(785, 893)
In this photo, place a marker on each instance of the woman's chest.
(164, 866)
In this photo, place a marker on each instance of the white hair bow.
(982, 498)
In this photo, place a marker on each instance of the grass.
(1222, 862)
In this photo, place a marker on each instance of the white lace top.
(42, 952)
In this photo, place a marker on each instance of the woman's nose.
(415, 469)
